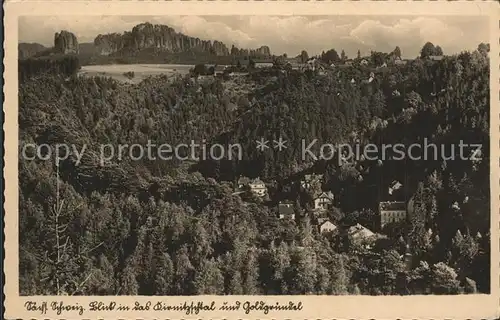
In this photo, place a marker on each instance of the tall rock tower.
(65, 42)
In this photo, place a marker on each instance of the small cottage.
(258, 187)
(327, 227)
(286, 210)
(391, 211)
(323, 201)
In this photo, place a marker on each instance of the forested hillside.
(178, 228)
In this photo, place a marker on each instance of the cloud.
(289, 34)
(411, 35)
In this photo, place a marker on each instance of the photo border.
(478, 306)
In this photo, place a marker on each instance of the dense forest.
(155, 227)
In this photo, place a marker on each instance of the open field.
(141, 71)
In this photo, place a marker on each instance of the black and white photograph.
(200, 155)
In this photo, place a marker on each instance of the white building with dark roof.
(323, 201)
(258, 187)
(391, 211)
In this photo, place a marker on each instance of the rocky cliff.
(164, 38)
(263, 51)
(26, 50)
(66, 43)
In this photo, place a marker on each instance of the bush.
(129, 75)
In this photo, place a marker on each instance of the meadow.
(140, 71)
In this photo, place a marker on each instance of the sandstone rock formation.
(162, 38)
(66, 43)
(263, 51)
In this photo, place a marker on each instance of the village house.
(286, 210)
(311, 64)
(323, 201)
(363, 62)
(391, 211)
(326, 226)
(321, 70)
(263, 64)
(398, 61)
(359, 234)
(202, 77)
(258, 187)
(348, 62)
(370, 79)
(237, 74)
(436, 58)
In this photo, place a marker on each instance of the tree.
(483, 48)
(129, 285)
(465, 249)
(427, 50)
(251, 64)
(279, 62)
(359, 54)
(235, 284)
(417, 234)
(338, 275)
(63, 262)
(184, 273)
(164, 275)
(323, 280)
(397, 52)
(470, 286)
(200, 69)
(378, 58)
(304, 56)
(430, 50)
(280, 262)
(438, 51)
(209, 279)
(302, 275)
(444, 279)
(330, 56)
(343, 56)
(251, 273)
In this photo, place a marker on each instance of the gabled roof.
(436, 58)
(328, 195)
(220, 68)
(243, 180)
(358, 231)
(257, 181)
(392, 205)
(309, 177)
(322, 221)
(282, 209)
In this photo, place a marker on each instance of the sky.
(284, 34)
